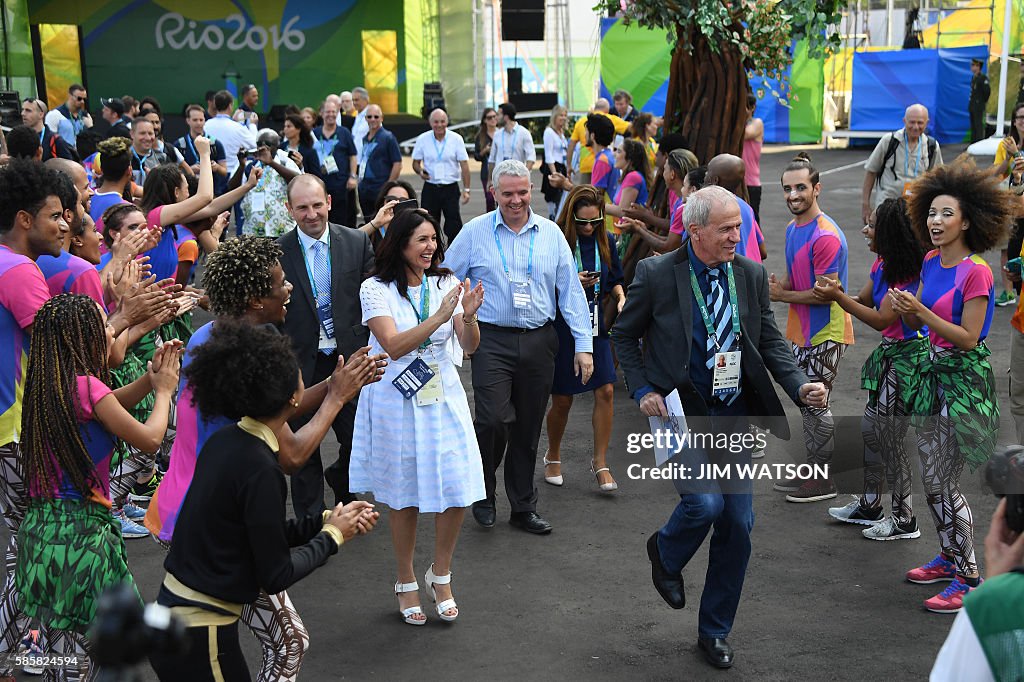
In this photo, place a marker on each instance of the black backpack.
(890, 153)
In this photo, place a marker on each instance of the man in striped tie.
(709, 333)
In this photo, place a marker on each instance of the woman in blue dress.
(597, 261)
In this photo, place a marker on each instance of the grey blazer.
(351, 261)
(659, 310)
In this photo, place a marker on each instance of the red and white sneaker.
(935, 571)
(951, 599)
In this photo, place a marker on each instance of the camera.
(1004, 474)
(125, 632)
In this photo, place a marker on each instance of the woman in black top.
(484, 139)
(232, 538)
(298, 142)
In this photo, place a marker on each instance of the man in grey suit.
(708, 331)
(326, 263)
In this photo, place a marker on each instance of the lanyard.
(504, 137)
(906, 156)
(709, 324)
(309, 271)
(424, 312)
(191, 146)
(597, 265)
(41, 133)
(501, 251)
(323, 150)
(440, 150)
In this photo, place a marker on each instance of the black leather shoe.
(716, 651)
(669, 586)
(531, 522)
(483, 513)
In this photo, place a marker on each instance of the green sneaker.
(1005, 299)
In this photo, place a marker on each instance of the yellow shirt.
(579, 135)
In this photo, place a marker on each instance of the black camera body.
(125, 633)
(1004, 474)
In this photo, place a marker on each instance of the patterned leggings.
(68, 643)
(820, 363)
(941, 465)
(13, 623)
(884, 428)
(277, 626)
(125, 474)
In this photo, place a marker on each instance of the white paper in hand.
(668, 432)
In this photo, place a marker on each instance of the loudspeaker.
(515, 81)
(433, 97)
(522, 20)
(533, 101)
(10, 108)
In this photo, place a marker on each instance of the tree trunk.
(707, 94)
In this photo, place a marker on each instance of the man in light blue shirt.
(529, 274)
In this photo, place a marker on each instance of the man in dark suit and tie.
(689, 307)
(326, 263)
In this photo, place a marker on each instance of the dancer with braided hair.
(890, 374)
(70, 547)
(963, 212)
(245, 282)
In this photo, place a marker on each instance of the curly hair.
(897, 243)
(986, 207)
(114, 158)
(239, 271)
(25, 185)
(242, 370)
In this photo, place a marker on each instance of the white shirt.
(359, 129)
(307, 243)
(233, 136)
(516, 145)
(442, 159)
(554, 146)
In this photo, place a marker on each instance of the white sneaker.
(890, 530)
(854, 513)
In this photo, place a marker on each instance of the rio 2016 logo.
(170, 26)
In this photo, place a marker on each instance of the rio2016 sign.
(170, 26)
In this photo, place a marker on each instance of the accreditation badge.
(726, 377)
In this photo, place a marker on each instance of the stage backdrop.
(886, 83)
(638, 60)
(175, 50)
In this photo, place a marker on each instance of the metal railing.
(407, 145)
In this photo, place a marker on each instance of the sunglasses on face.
(373, 117)
(589, 221)
(491, 116)
(80, 99)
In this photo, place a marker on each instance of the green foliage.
(761, 30)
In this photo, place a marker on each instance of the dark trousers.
(1014, 246)
(754, 192)
(977, 113)
(352, 219)
(443, 199)
(726, 507)
(339, 213)
(203, 656)
(512, 375)
(308, 482)
(368, 200)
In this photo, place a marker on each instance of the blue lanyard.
(309, 271)
(443, 143)
(501, 251)
(597, 266)
(504, 136)
(424, 312)
(191, 146)
(906, 155)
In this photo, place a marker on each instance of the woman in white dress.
(419, 454)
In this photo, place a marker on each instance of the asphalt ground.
(819, 603)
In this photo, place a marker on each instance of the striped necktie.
(322, 279)
(721, 314)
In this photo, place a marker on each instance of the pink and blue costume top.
(880, 289)
(945, 290)
(68, 274)
(817, 247)
(23, 292)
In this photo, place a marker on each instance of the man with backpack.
(899, 158)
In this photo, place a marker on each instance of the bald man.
(898, 159)
(440, 158)
(729, 172)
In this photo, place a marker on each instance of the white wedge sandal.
(448, 604)
(407, 614)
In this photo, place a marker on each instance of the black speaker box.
(522, 20)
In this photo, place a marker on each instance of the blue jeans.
(731, 515)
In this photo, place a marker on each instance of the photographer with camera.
(983, 643)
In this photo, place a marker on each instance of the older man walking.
(708, 331)
(529, 274)
(440, 158)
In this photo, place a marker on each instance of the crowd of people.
(113, 400)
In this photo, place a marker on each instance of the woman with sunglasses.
(484, 139)
(597, 261)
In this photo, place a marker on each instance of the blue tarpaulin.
(886, 83)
